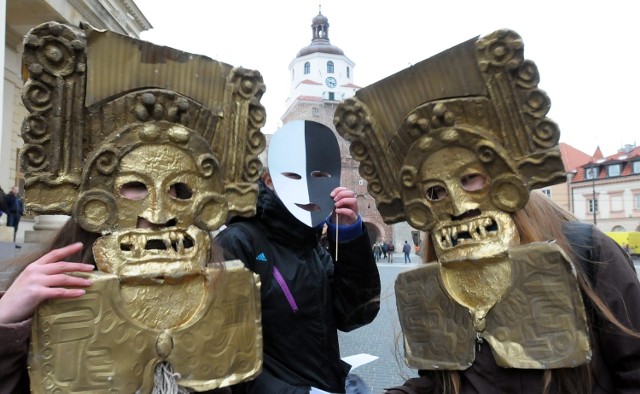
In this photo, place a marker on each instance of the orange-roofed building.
(605, 190)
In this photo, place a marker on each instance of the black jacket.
(300, 328)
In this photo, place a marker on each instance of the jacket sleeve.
(356, 283)
(617, 285)
(236, 245)
(13, 356)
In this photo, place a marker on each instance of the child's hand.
(41, 280)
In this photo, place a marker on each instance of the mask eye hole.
(436, 193)
(473, 182)
(181, 191)
(320, 174)
(292, 175)
(134, 190)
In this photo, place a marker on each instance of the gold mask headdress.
(423, 137)
(481, 95)
(123, 132)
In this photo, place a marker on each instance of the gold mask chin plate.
(211, 338)
(538, 321)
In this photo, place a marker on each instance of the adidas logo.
(261, 257)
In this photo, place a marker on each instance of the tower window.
(348, 71)
(330, 67)
(307, 68)
(332, 96)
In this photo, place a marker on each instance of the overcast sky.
(587, 52)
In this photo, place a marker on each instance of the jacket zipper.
(285, 289)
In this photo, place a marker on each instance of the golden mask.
(454, 145)
(153, 157)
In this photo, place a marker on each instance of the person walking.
(406, 249)
(385, 250)
(15, 209)
(390, 249)
(376, 251)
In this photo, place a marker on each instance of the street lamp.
(593, 190)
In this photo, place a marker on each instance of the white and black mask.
(304, 163)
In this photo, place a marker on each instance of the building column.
(45, 228)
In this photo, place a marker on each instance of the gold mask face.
(461, 217)
(157, 147)
(164, 195)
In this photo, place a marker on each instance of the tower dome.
(320, 38)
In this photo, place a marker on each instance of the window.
(636, 167)
(315, 112)
(636, 201)
(617, 229)
(348, 76)
(330, 67)
(591, 173)
(593, 205)
(332, 96)
(546, 192)
(307, 68)
(613, 170)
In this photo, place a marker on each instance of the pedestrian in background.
(3, 204)
(391, 248)
(385, 250)
(406, 249)
(377, 250)
(15, 209)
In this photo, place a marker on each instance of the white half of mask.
(304, 164)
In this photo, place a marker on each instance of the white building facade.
(606, 191)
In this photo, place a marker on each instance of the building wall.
(616, 202)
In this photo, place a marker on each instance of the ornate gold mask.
(454, 145)
(153, 157)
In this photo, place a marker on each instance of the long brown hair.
(543, 220)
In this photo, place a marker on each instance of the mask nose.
(461, 202)
(159, 214)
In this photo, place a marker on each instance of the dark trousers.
(13, 219)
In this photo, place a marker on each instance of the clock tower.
(322, 77)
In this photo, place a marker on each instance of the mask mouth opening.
(311, 207)
(473, 230)
(176, 241)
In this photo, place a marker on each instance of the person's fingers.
(60, 254)
(64, 280)
(64, 266)
(61, 292)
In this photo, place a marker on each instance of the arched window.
(307, 68)
(348, 72)
(330, 67)
(617, 229)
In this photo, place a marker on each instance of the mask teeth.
(167, 241)
(180, 243)
(477, 230)
(139, 245)
(473, 227)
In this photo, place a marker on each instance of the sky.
(587, 52)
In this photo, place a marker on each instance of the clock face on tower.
(330, 82)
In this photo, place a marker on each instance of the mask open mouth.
(177, 241)
(311, 207)
(153, 253)
(474, 230)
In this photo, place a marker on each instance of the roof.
(572, 158)
(624, 156)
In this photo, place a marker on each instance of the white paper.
(356, 361)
